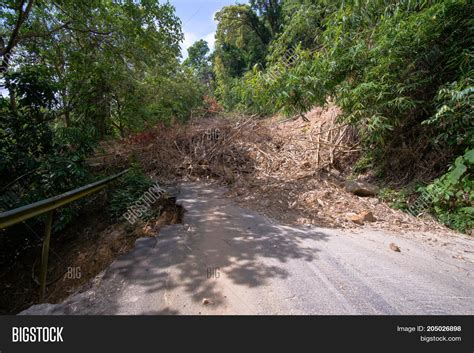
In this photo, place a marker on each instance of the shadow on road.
(220, 251)
(219, 246)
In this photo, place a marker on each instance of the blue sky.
(197, 18)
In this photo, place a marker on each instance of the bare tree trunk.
(67, 118)
(12, 99)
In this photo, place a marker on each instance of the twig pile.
(291, 170)
(232, 149)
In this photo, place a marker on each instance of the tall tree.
(271, 12)
(199, 61)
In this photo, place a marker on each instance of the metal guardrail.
(48, 206)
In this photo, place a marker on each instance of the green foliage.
(199, 61)
(25, 134)
(77, 72)
(363, 164)
(401, 70)
(392, 72)
(393, 68)
(78, 42)
(184, 93)
(35, 163)
(242, 38)
(453, 118)
(303, 24)
(395, 198)
(271, 13)
(129, 189)
(452, 195)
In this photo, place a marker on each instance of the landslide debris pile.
(292, 170)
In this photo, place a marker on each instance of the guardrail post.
(45, 253)
(47, 207)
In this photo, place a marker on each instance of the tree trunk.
(12, 100)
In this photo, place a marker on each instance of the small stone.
(360, 188)
(394, 247)
(206, 301)
(374, 201)
(363, 217)
(369, 217)
(303, 221)
(357, 220)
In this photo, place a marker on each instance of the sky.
(197, 18)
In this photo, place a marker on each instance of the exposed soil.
(76, 255)
(290, 170)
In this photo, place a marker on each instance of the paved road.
(228, 260)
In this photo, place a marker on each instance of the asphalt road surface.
(225, 259)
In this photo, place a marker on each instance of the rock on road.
(225, 259)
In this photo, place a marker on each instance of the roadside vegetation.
(78, 72)
(89, 88)
(75, 73)
(401, 71)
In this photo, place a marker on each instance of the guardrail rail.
(48, 206)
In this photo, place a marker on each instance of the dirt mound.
(291, 170)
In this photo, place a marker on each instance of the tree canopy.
(401, 71)
(77, 72)
(199, 60)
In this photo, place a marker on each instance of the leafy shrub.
(453, 194)
(35, 162)
(396, 199)
(129, 189)
(402, 71)
(453, 118)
